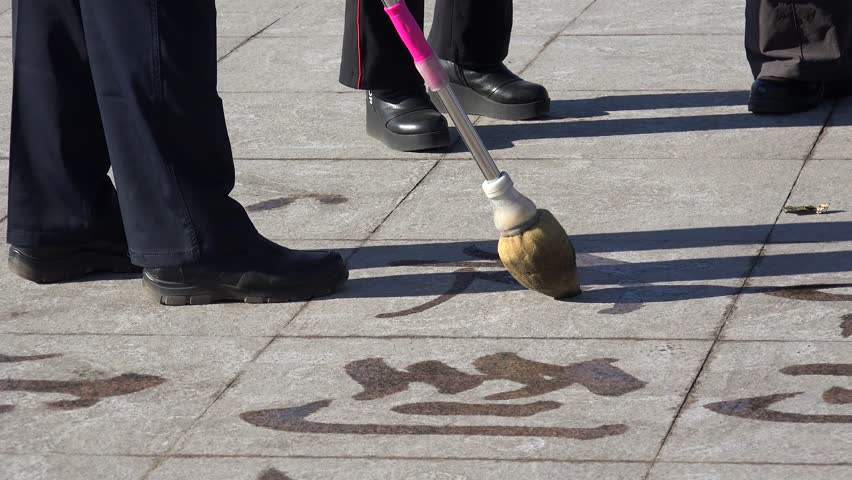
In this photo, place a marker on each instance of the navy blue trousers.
(129, 84)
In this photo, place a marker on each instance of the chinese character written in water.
(378, 380)
(758, 408)
(87, 392)
(818, 293)
(467, 271)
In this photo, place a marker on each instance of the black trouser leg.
(472, 32)
(469, 32)
(154, 70)
(809, 41)
(59, 191)
(374, 57)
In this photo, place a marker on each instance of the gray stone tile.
(4, 194)
(644, 63)
(225, 45)
(305, 20)
(284, 64)
(702, 471)
(5, 94)
(111, 394)
(5, 23)
(235, 24)
(638, 387)
(690, 17)
(301, 126)
(67, 467)
(768, 403)
(798, 292)
(105, 304)
(344, 469)
(688, 125)
(606, 196)
(256, 6)
(423, 289)
(332, 199)
(836, 142)
(545, 17)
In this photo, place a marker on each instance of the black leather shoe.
(57, 264)
(839, 89)
(494, 91)
(406, 120)
(269, 274)
(776, 96)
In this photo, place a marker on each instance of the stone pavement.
(713, 339)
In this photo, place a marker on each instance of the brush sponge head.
(542, 258)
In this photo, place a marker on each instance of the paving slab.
(705, 471)
(67, 467)
(5, 23)
(459, 289)
(299, 126)
(226, 45)
(627, 62)
(256, 6)
(768, 402)
(5, 95)
(821, 182)
(836, 141)
(110, 394)
(237, 24)
(282, 62)
(606, 196)
(90, 307)
(688, 125)
(797, 292)
(341, 469)
(547, 17)
(332, 199)
(685, 17)
(348, 397)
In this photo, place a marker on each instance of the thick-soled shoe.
(271, 274)
(776, 96)
(838, 89)
(406, 120)
(494, 91)
(57, 264)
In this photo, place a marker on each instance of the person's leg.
(794, 48)
(472, 38)
(64, 219)
(154, 68)
(399, 113)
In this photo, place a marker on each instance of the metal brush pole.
(460, 119)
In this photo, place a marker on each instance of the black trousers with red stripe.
(468, 32)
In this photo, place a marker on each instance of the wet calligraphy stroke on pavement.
(87, 392)
(817, 293)
(273, 474)
(758, 408)
(322, 198)
(468, 271)
(378, 380)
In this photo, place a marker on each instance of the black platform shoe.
(787, 96)
(406, 120)
(494, 91)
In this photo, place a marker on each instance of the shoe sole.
(475, 104)
(179, 294)
(61, 270)
(779, 107)
(377, 129)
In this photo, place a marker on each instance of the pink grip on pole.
(409, 31)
